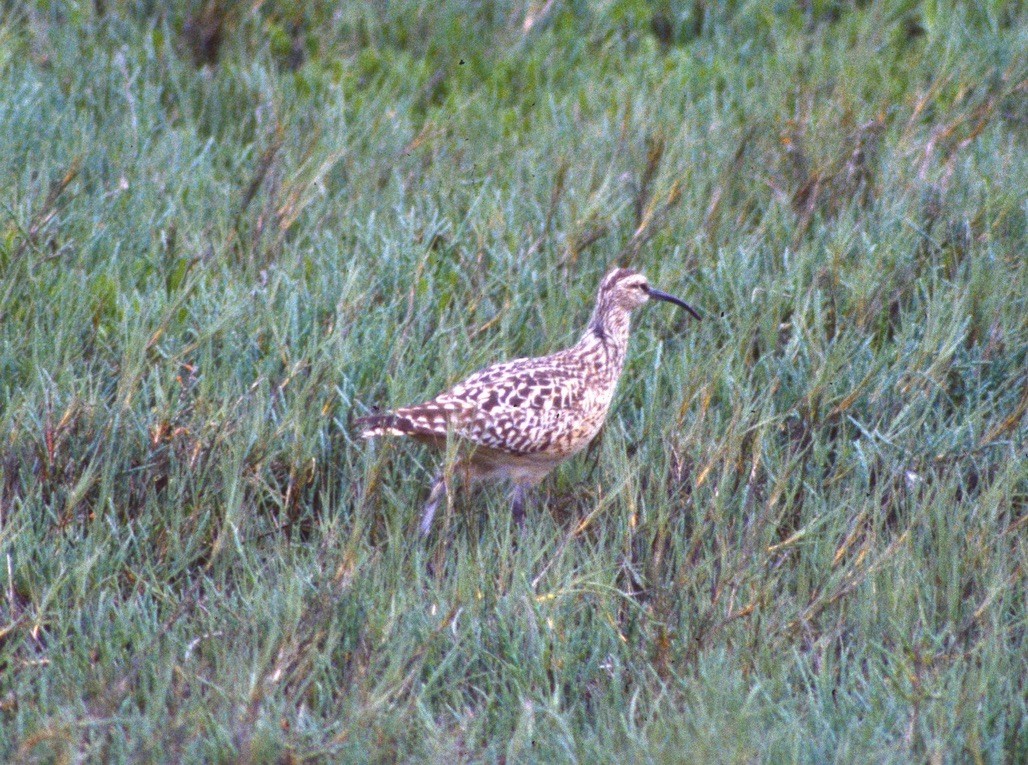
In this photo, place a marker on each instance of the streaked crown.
(624, 288)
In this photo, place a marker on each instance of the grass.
(226, 229)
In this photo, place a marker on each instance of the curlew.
(520, 419)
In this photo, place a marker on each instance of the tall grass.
(227, 228)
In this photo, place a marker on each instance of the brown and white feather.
(527, 415)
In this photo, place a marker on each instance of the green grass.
(803, 534)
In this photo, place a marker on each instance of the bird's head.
(628, 289)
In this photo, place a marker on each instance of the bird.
(519, 419)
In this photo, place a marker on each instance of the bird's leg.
(436, 494)
(517, 504)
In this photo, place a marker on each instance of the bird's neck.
(607, 333)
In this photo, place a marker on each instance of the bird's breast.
(587, 418)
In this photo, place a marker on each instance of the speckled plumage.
(522, 418)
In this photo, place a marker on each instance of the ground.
(229, 228)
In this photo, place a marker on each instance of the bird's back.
(545, 405)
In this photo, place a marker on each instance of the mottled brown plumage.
(518, 420)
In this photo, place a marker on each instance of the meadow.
(228, 228)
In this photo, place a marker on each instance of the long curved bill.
(658, 295)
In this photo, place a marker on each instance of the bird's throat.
(608, 333)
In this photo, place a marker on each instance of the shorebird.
(520, 419)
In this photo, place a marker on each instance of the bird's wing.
(520, 407)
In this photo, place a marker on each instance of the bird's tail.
(384, 425)
(422, 420)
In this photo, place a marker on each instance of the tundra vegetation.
(228, 228)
